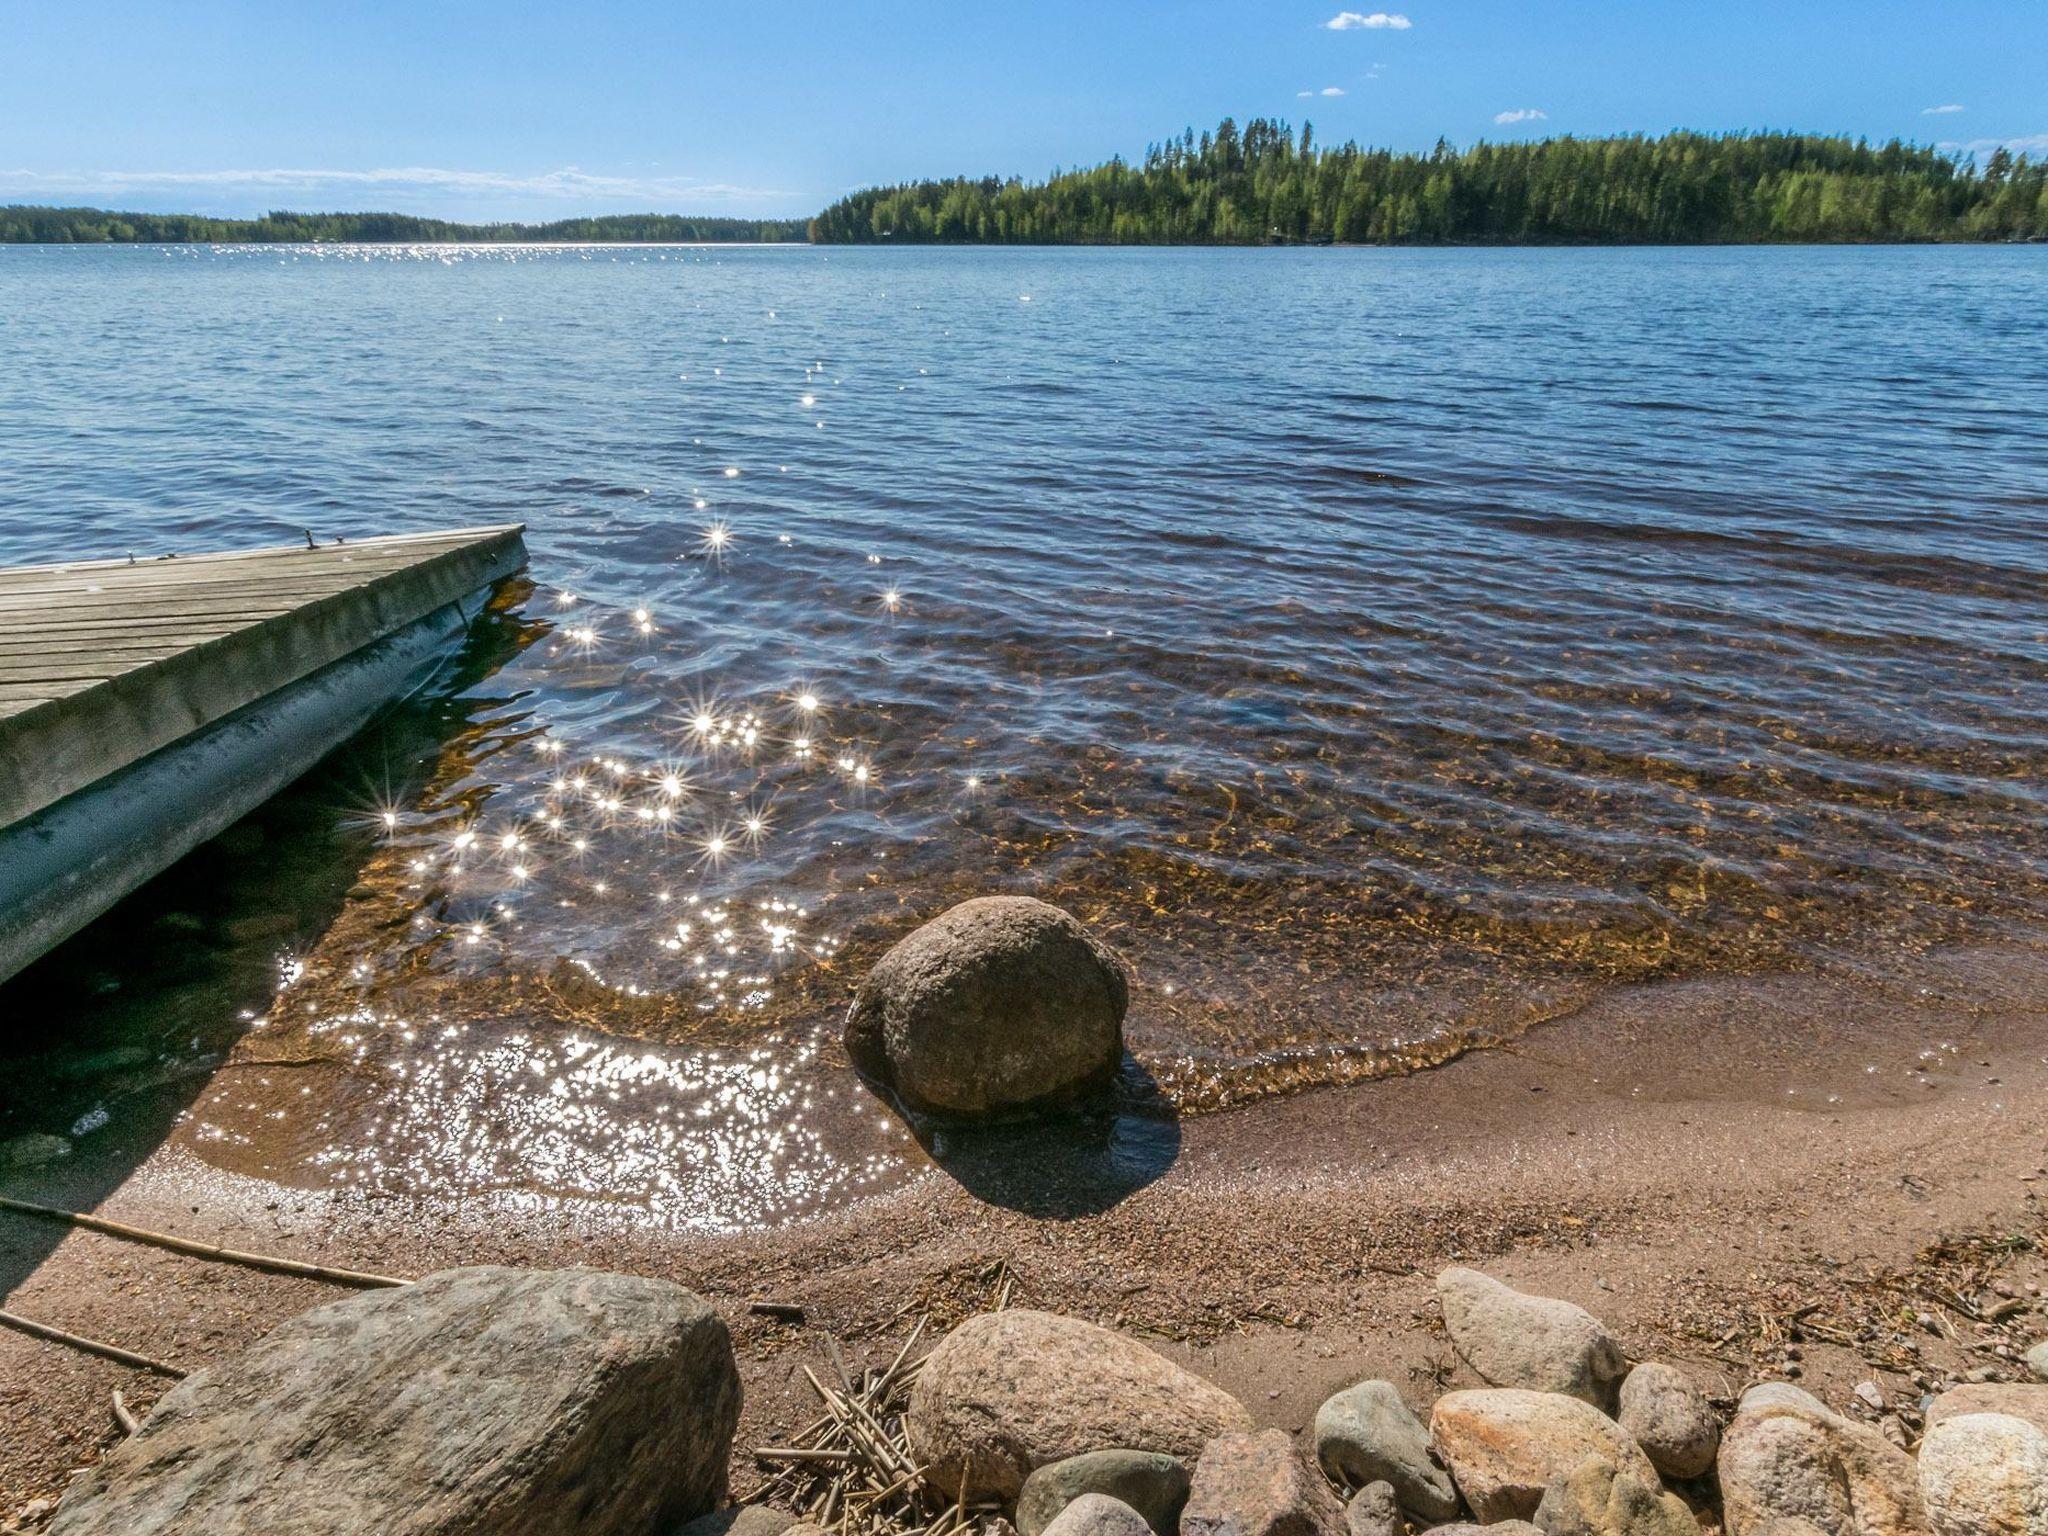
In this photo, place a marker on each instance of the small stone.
(1594, 1499)
(994, 1009)
(1985, 1474)
(1374, 1511)
(1152, 1483)
(1670, 1418)
(2037, 1360)
(1366, 1434)
(1871, 1394)
(1532, 1342)
(1097, 1514)
(1504, 1446)
(741, 1520)
(1251, 1483)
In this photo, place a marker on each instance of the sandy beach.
(1758, 1178)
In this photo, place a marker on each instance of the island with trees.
(1267, 184)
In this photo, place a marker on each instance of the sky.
(510, 110)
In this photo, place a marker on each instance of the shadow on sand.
(1079, 1164)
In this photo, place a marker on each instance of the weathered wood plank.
(103, 662)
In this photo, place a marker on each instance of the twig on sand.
(853, 1470)
(124, 1415)
(114, 1352)
(199, 1250)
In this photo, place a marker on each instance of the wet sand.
(1694, 1161)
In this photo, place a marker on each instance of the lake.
(1386, 650)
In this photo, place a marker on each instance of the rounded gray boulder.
(996, 1008)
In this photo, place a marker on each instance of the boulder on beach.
(1504, 1446)
(2037, 1360)
(1786, 1455)
(1535, 1342)
(996, 1008)
(1670, 1418)
(1985, 1474)
(1154, 1484)
(1254, 1483)
(1498, 1528)
(1598, 1499)
(2019, 1400)
(1009, 1392)
(1366, 1434)
(550, 1402)
(1097, 1514)
(1375, 1510)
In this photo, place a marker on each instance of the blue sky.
(510, 110)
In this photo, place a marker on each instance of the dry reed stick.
(114, 1352)
(212, 1251)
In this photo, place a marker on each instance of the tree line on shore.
(20, 224)
(1265, 183)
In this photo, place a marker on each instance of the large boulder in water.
(1009, 1392)
(552, 1403)
(997, 1007)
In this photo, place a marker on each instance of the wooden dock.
(145, 705)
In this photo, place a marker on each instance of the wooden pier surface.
(105, 662)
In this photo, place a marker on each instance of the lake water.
(1387, 650)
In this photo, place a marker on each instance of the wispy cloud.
(2019, 144)
(1376, 21)
(1521, 115)
(1328, 90)
(1941, 111)
(567, 183)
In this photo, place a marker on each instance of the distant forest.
(1268, 184)
(65, 226)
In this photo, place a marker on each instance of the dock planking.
(104, 662)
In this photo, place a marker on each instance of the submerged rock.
(1787, 1455)
(1534, 1342)
(1597, 1499)
(1097, 1514)
(549, 1402)
(33, 1150)
(1152, 1483)
(1985, 1474)
(997, 1007)
(1009, 1392)
(1506, 1444)
(1670, 1419)
(1254, 1484)
(1366, 1434)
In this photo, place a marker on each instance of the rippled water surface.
(1386, 650)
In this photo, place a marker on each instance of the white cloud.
(2019, 144)
(1378, 21)
(1941, 111)
(1521, 115)
(568, 182)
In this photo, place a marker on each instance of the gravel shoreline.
(1695, 1162)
